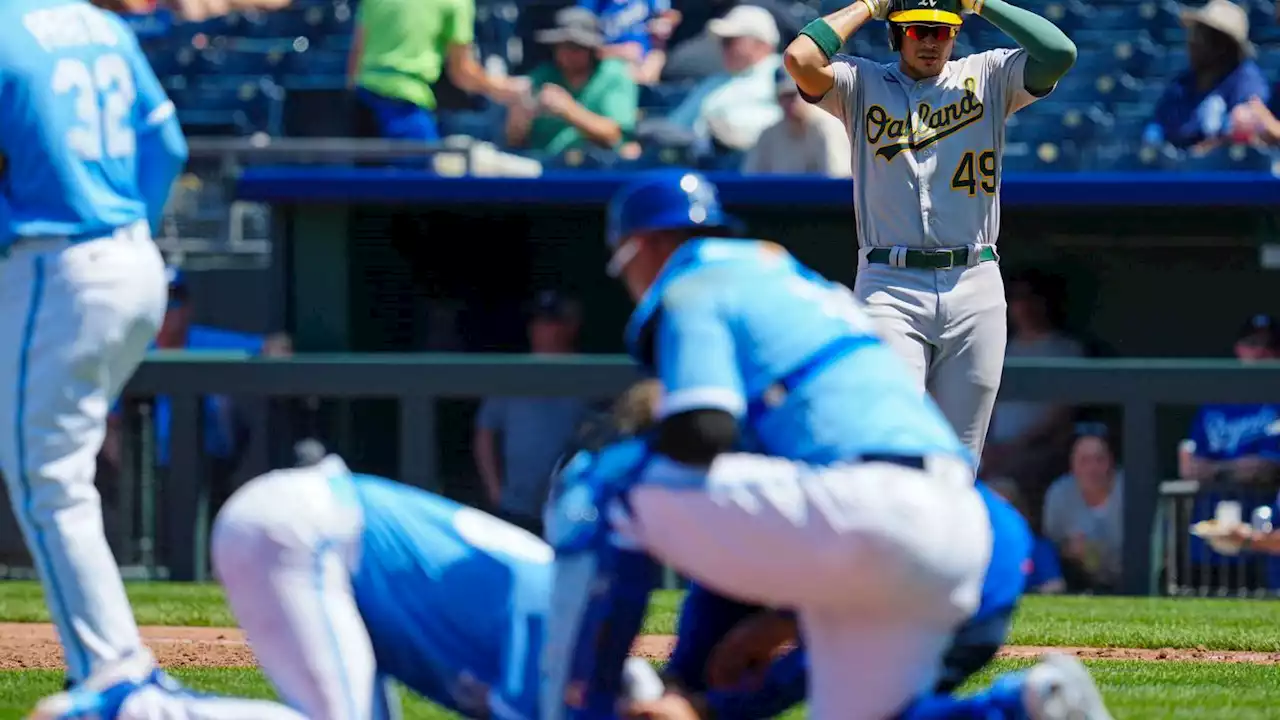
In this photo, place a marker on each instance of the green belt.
(933, 259)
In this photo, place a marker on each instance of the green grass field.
(1134, 689)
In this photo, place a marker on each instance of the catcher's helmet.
(932, 12)
(662, 200)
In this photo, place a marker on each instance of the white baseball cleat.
(1059, 687)
(99, 697)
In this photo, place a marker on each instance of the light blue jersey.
(90, 140)
(741, 326)
(454, 599)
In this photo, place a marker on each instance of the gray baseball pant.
(950, 327)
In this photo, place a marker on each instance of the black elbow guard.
(696, 437)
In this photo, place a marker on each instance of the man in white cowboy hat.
(1195, 109)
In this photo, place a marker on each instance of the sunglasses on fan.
(939, 33)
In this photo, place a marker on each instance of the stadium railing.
(207, 223)
(1138, 386)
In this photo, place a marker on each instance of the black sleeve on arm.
(696, 437)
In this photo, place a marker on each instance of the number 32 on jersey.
(103, 93)
(976, 170)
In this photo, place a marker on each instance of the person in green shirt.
(578, 99)
(397, 54)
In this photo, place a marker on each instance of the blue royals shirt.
(626, 21)
(454, 599)
(741, 326)
(1229, 432)
(78, 102)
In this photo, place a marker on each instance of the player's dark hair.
(895, 37)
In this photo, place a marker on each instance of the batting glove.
(971, 7)
(879, 9)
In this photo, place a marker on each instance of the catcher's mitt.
(632, 413)
(636, 409)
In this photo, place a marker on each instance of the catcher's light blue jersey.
(741, 326)
(90, 140)
(454, 599)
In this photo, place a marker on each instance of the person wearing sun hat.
(1195, 110)
(579, 99)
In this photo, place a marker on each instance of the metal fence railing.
(1186, 565)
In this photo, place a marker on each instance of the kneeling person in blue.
(794, 464)
(344, 581)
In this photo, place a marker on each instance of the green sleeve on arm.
(1050, 53)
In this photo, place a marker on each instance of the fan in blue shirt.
(1196, 106)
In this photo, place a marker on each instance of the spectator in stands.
(636, 32)
(1028, 441)
(1083, 514)
(1234, 452)
(397, 53)
(805, 141)
(534, 431)
(200, 10)
(1236, 442)
(1195, 110)
(579, 99)
(1044, 574)
(696, 53)
(737, 105)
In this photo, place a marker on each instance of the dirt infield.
(30, 646)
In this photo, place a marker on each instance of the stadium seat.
(1069, 15)
(164, 62)
(1234, 158)
(1129, 156)
(1045, 156)
(1094, 63)
(232, 62)
(485, 125)
(1138, 56)
(1261, 13)
(1127, 125)
(1270, 62)
(1118, 87)
(314, 69)
(663, 97)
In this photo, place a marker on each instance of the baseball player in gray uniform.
(927, 133)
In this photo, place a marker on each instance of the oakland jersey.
(927, 153)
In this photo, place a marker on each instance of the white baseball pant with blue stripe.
(75, 321)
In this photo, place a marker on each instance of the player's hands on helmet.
(741, 658)
(879, 9)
